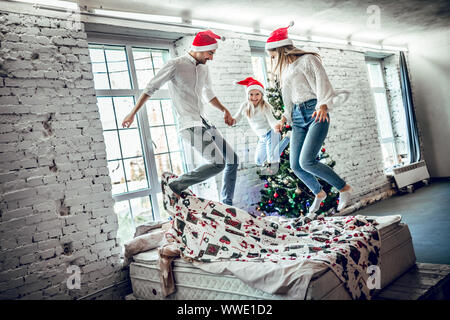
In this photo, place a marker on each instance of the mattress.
(396, 255)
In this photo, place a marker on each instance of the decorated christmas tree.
(284, 193)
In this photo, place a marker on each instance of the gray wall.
(429, 69)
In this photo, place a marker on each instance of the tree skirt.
(210, 231)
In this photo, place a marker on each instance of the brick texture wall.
(56, 205)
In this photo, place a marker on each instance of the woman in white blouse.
(308, 97)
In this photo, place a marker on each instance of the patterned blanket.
(209, 231)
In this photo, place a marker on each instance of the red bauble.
(266, 185)
(287, 126)
(270, 201)
(323, 149)
(322, 204)
(276, 195)
(282, 154)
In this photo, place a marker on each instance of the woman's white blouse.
(305, 79)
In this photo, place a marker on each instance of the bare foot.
(321, 194)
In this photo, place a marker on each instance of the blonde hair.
(261, 104)
(286, 55)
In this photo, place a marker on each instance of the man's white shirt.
(188, 83)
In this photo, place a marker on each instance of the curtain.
(412, 133)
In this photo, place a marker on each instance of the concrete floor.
(427, 213)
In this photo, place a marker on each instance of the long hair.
(261, 104)
(286, 55)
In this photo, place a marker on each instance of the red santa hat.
(205, 41)
(279, 38)
(251, 84)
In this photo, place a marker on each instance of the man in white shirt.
(188, 80)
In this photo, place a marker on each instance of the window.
(136, 155)
(262, 68)
(385, 132)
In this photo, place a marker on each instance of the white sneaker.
(316, 204)
(344, 199)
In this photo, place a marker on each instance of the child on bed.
(260, 118)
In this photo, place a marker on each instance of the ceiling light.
(52, 3)
(366, 45)
(138, 16)
(394, 48)
(328, 40)
(216, 25)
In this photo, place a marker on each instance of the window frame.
(142, 118)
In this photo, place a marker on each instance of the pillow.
(154, 239)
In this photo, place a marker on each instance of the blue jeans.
(269, 147)
(208, 142)
(306, 140)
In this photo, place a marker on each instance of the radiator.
(410, 174)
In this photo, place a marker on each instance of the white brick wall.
(55, 189)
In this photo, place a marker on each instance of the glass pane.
(158, 61)
(154, 113)
(123, 106)
(383, 117)
(142, 210)
(162, 163)
(172, 137)
(98, 68)
(112, 145)
(126, 225)
(375, 75)
(258, 71)
(117, 176)
(131, 143)
(177, 163)
(101, 81)
(116, 59)
(270, 75)
(164, 215)
(168, 113)
(159, 138)
(389, 157)
(135, 171)
(105, 108)
(96, 54)
(143, 66)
